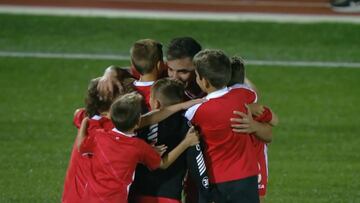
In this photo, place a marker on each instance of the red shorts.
(263, 170)
(149, 199)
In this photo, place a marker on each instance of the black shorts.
(237, 191)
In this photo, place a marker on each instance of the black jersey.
(169, 183)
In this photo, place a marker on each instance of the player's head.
(95, 104)
(165, 92)
(213, 69)
(147, 56)
(237, 71)
(179, 55)
(125, 111)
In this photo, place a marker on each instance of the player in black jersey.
(162, 186)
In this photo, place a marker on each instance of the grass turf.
(267, 41)
(312, 159)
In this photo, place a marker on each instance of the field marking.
(218, 16)
(121, 57)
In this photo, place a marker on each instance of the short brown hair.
(145, 54)
(214, 66)
(237, 71)
(125, 112)
(168, 91)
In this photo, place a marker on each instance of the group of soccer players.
(187, 129)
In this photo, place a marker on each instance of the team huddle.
(188, 129)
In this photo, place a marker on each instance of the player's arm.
(107, 81)
(251, 85)
(191, 139)
(82, 132)
(158, 115)
(245, 123)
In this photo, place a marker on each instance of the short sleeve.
(149, 157)
(94, 129)
(79, 116)
(265, 117)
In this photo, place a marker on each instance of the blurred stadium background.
(303, 57)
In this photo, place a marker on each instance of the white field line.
(121, 57)
(218, 16)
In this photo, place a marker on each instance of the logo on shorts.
(197, 147)
(205, 182)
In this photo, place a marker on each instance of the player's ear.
(157, 104)
(206, 83)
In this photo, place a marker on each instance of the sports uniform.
(230, 157)
(114, 157)
(75, 178)
(164, 186)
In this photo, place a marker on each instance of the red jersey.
(229, 155)
(144, 88)
(113, 161)
(260, 146)
(75, 179)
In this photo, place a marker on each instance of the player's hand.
(256, 109)
(244, 123)
(106, 84)
(192, 137)
(190, 103)
(160, 149)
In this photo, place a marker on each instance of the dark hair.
(145, 54)
(125, 111)
(214, 66)
(95, 104)
(168, 91)
(237, 71)
(182, 47)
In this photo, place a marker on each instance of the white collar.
(143, 84)
(125, 134)
(217, 93)
(96, 117)
(239, 85)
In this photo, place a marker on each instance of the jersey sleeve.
(79, 116)
(251, 96)
(88, 144)
(265, 117)
(149, 157)
(197, 170)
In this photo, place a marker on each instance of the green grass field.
(315, 153)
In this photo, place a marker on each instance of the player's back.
(164, 183)
(114, 158)
(229, 155)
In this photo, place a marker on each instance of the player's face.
(181, 69)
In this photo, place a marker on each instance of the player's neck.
(211, 89)
(148, 77)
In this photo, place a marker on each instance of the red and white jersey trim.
(122, 133)
(143, 84)
(189, 114)
(238, 85)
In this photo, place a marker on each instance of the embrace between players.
(188, 129)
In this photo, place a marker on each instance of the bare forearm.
(168, 159)
(263, 132)
(81, 133)
(157, 116)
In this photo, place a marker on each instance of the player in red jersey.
(116, 153)
(147, 58)
(260, 143)
(230, 156)
(97, 109)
